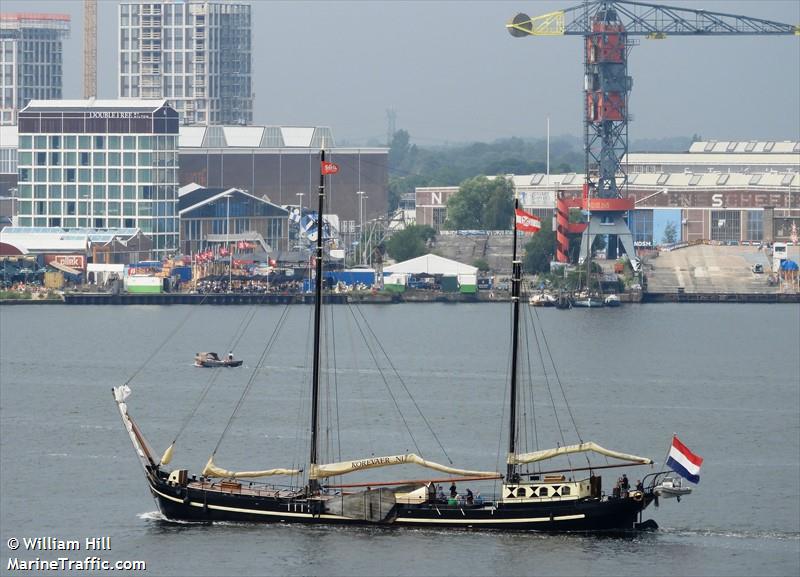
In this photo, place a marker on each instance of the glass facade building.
(196, 54)
(30, 60)
(100, 164)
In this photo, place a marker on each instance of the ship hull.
(589, 515)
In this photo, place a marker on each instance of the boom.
(651, 20)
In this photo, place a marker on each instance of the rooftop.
(122, 104)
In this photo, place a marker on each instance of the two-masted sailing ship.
(530, 497)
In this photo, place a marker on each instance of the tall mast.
(313, 484)
(516, 280)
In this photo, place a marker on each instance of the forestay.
(521, 459)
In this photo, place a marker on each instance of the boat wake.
(768, 535)
(158, 517)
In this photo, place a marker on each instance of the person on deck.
(625, 483)
(453, 490)
(470, 498)
(440, 493)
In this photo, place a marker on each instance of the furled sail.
(334, 469)
(211, 470)
(523, 458)
(166, 458)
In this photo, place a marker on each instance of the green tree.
(670, 233)
(410, 242)
(481, 264)
(481, 203)
(540, 248)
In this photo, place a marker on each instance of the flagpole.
(664, 462)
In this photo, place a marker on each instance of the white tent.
(432, 264)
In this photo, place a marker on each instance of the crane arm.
(642, 19)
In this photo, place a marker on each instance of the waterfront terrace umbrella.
(789, 265)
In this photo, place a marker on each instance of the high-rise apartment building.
(196, 54)
(100, 164)
(30, 60)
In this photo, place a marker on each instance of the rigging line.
(164, 342)
(328, 377)
(405, 387)
(211, 380)
(336, 386)
(302, 415)
(523, 397)
(503, 406)
(254, 374)
(385, 382)
(550, 393)
(530, 380)
(361, 394)
(506, 392)
(558, 379)
(240, 332)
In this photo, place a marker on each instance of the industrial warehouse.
(718, 191)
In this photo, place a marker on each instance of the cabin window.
(565, 490)
(521, 492)
(543, 491)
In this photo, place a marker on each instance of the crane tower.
(606, 27)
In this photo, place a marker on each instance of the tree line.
(412, 166)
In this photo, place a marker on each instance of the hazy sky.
(452, 73)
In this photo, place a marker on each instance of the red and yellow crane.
(606, 27)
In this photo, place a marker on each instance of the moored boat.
(543, 299)
(588, 302)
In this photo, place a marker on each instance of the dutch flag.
(683, 461)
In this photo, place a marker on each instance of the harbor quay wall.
(382, 298)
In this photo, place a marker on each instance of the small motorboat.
(670, 488)
(212, 360)
(612, 301)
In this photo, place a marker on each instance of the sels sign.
(329, 167)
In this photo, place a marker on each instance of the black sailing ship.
(554, 500)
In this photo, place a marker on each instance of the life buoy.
(637, 495)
